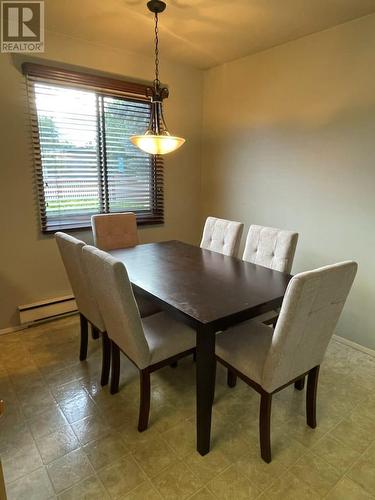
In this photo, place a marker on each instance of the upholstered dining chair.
(71, 253)
(149, 343)
(269, 360)
(273, 248)
(222, 236)
(113, 231)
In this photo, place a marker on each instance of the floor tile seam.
(8, 483)
(29, 472)
(346, 474)
(76, 484)
(182, 461)
(232, 464)
(149, 477)
(340, 474)
(343, 444)
(340, 440)
(289, 471)
(72, 485)
(205, 483)
(40, 453)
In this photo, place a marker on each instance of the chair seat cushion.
(166, 336)
(266, 316)
(146, 306)
(245, 347)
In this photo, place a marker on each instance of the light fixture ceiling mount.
(157, 139)
(156, 6)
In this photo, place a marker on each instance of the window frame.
(103, 87)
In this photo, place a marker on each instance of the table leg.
(206, 371)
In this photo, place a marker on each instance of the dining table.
(209, 292)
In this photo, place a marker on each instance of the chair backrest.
(117, 304)
(222, 236)
(311, 308)
(271, 247)
(71, 254)
(113, 231)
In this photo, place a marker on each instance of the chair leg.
(106, 359)
(312, 389)
(95, 333)
(84, 337)
(265, 426)
(144, 404)
(115, 368)
(231, 378)
(300, 384)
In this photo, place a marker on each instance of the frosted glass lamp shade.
(157, 144)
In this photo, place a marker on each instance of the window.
(85, 162)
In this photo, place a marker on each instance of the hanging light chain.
(157, 81)
(156, 140)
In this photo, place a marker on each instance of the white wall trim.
(12, 329)
(25, 326)
(354, 345)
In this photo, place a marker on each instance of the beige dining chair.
(271, 247)
(269, 360)
(222, 236)
(149, 343)
(71, 253)
(114, 231)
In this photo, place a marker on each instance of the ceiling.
(201, 33)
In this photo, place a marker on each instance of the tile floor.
(65, 437)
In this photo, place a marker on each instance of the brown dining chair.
(269, 360)
(114, 231)
(222, 236)
(149, 343)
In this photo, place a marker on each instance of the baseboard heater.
(47, 309)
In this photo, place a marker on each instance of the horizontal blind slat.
(71, 150)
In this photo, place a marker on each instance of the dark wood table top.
(202, 286)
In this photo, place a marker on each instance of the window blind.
(85, 162)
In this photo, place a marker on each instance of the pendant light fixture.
(157, 140)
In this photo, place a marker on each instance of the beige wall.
(290, 142)
(30, 265)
